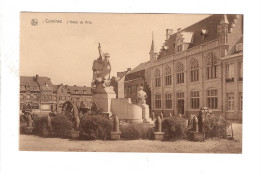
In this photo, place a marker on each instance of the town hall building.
(199, 66)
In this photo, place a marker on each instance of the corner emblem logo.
(34, 22)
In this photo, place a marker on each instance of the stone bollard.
(48, 121)
(195, 124)
(153, 116)
(158, 134)
(29, 121)
(161, 116)
(29, 127)
(77, 122)
(115, 134)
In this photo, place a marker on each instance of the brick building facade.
(199, 66)
(40, 95)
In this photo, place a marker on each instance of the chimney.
(128, 69)
(169, 32)
(179, 29)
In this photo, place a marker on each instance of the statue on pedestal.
(101, 73)
(141, 96)
(141, 101)
(103, 93)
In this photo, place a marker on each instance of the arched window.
(195, 99)
(157, 76)
(168, 76)
(158, 101)
(211, 66)
(180, 73)
(194, 72)
(168, 100)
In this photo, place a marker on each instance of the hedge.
(136, 131)
(61, 126)
(95, 127)
(174, 128)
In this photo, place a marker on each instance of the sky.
(62, 48)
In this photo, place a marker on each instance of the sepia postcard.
(129, 82)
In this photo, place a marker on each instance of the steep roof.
(121, 74)
(210, 24)
(140, 67)
(28, 80)
(44, 81)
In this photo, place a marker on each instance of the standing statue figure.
(101, 70)
(141, 101)
(141, 96)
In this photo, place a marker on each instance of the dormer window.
(204, 32)
(179, 48)
(179, 45)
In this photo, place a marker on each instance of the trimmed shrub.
(136, 131)
(95, 127)
(174, 128)
(218, 126)
(61, 126)
(40, 126)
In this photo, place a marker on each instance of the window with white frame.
(195, 99)
(212, 98)
(211, 67)
(194, 73)
(240, 70)
(168, 76)
(168, 100)
(158, 101)
(230, 68)
(230, 101)
(157, 76)
(180, 73)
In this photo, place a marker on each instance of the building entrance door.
(180, 106)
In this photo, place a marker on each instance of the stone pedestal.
(103, 101)
(158, 135)
(145, 113)
(115, 135)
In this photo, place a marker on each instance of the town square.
(184, 96)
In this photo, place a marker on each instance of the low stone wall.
(125, 110)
